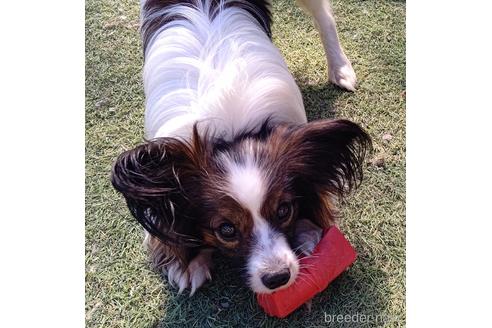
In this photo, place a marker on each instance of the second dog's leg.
(340, 70)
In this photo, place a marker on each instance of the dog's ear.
(331, 154)
(160, 181)
(325, 159)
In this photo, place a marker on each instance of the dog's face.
(243, 197)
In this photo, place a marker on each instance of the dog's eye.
(284, 211)
(227, 231)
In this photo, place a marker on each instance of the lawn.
(122, 290)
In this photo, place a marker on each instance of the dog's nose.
(277, 279)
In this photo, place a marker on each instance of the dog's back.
(213, 61)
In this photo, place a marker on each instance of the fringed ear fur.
(326, 160)
(160, 181)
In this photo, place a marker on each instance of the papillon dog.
(230, 163)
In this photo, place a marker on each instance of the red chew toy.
(330, 257)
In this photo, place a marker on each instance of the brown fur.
(175, 188)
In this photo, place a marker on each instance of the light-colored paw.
(199, 271)
(307, 241)
(343, 75)
(194, 276)
(307, 236)
(178, 276)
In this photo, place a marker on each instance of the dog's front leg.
(192, 276)
(192, 273)
(199, 269)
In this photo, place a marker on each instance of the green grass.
(122, 291)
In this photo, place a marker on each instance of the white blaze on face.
(270, 251)
(247, 185)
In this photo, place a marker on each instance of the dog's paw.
(343, 75)
(178, 276)
(194, 276)
(307, 236)
(307, 241)
(199, 270)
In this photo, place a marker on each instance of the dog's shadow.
(227, 302)
(319, 100)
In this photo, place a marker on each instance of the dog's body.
(223, 72)
(231, 164)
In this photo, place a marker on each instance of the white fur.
(199, 270)
(271, 253)
(247, 184)
(225, 72)
(340, 69)
(194, 276)
(177, 276)
(307, 236)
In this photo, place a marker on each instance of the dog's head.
(245, 196)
